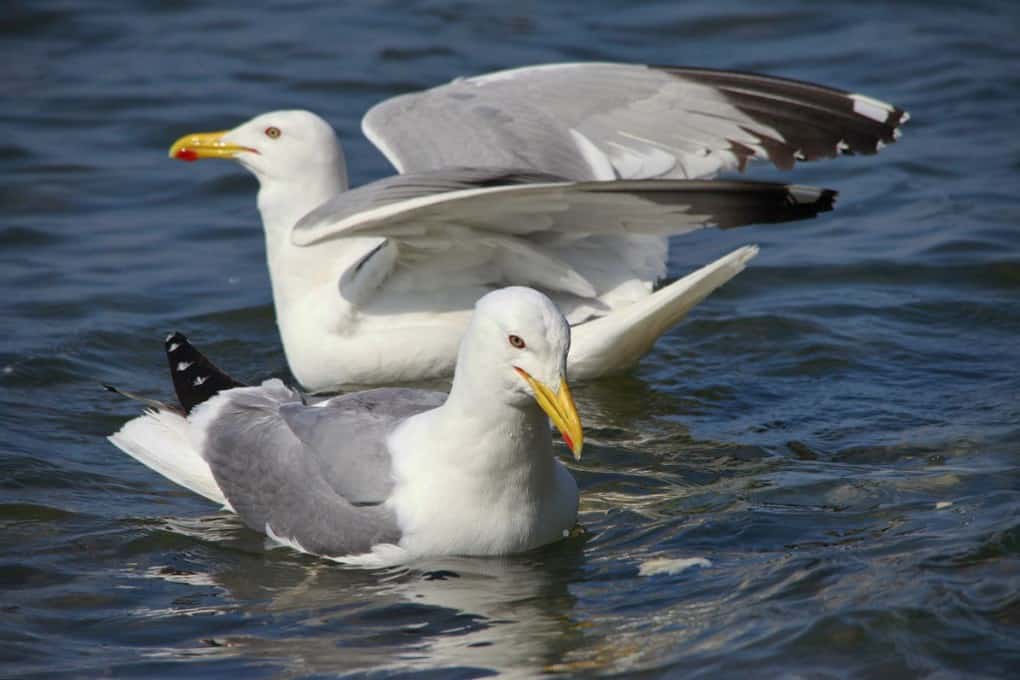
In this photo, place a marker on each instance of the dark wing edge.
(730, 203)
(815, 121)
(195, 378)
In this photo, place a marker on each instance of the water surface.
(829, 443)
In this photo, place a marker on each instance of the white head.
(515, 349)
(284, 150)
(275, 145)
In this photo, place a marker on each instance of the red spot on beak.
(186, 155)
(568, 440)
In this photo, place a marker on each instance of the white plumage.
(564, 177)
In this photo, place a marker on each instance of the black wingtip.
(809, 121)
(828, 199)
(823, 201)
(804, 202)
(784, 203)
(195, 378)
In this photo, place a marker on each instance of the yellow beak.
(200, 145)
(561, 410)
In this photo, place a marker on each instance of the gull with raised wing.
(566, 177)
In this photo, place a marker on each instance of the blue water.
(831, 439)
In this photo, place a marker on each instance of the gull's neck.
(517, 435)
(477, 476)
(479, 412)
(284, 201)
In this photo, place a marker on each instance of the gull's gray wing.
(313, 476)
(347, 435)
(368, 198)
(515, 203)
(630, 121)
(478, 227)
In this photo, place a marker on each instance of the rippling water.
(815, 475)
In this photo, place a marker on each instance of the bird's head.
(519, 340)
(285, 145)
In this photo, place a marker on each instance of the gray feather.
(519, 228)
(315, 475)
(397, 188)
(346, 436)
(648, 122)
(524, 207)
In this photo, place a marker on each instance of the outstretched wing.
(498, 227)
(628, 121)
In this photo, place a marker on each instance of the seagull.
(393, 474)
(568, 178)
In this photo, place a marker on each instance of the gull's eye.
(273, 132)
(517, 341)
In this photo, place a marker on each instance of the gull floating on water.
(389, 474)
(564, 177)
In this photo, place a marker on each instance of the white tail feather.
(615, 342)
(162, 441)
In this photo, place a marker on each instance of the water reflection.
(510, 615)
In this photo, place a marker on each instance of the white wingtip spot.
(897, 133)
(842, 146)
(904, 118)
(871, 108)
(199, 381)
(284, 542)
(168, 337)
(879, 145)
(173, 347)
(184, 365)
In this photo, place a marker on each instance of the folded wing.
(314, 477)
